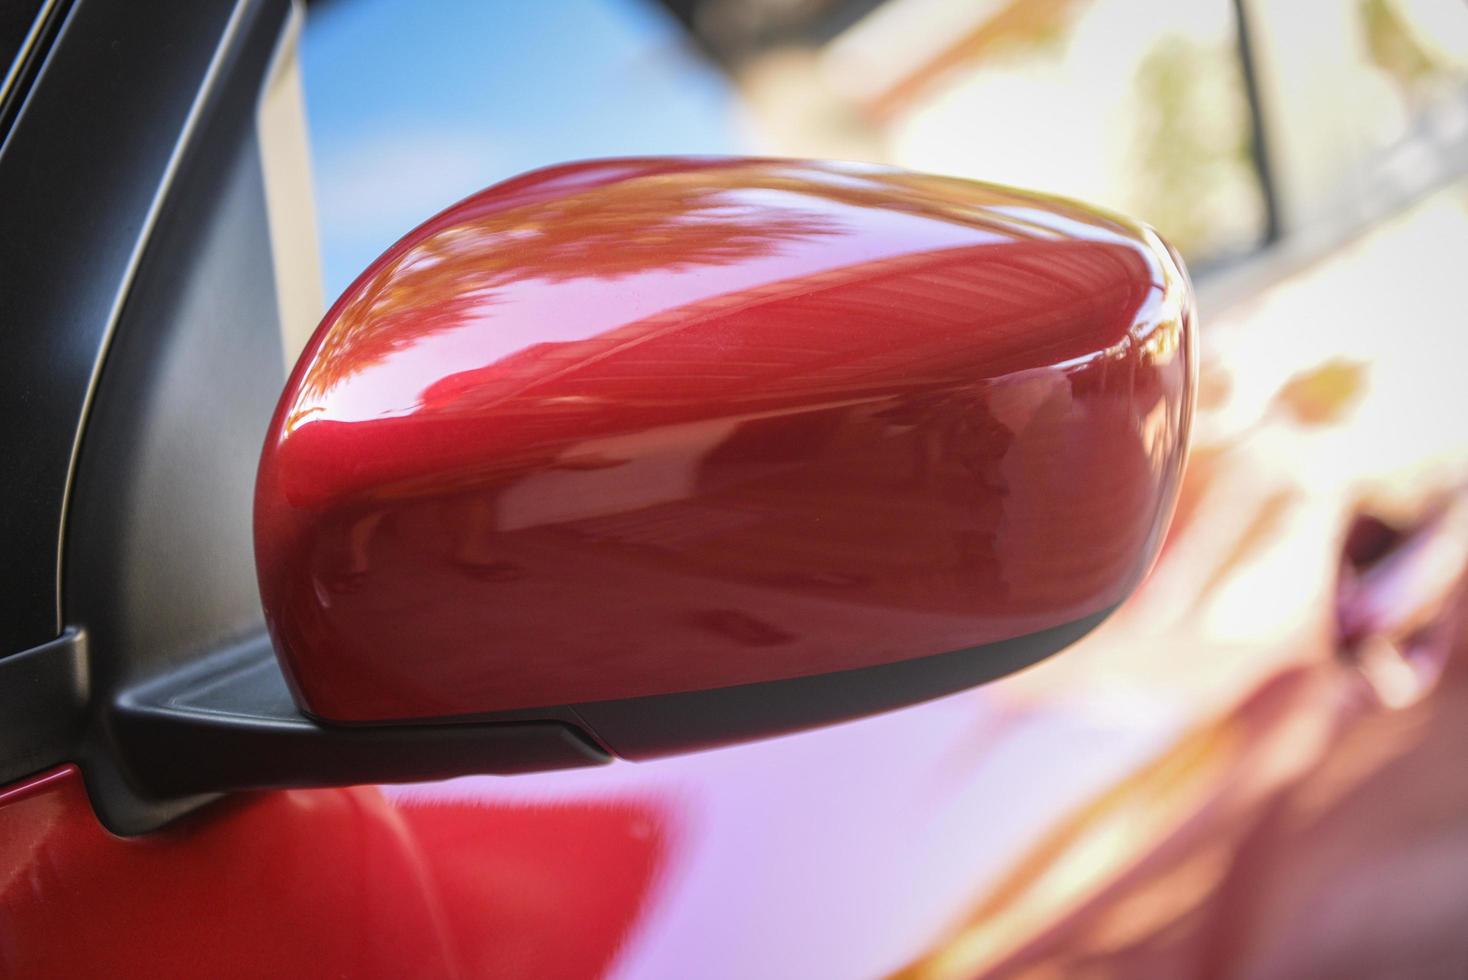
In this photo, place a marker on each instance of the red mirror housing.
(623, 429)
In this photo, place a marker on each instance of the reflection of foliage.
(1018, 29)
(1025, 29)
(1322, 395)
(1195, 151)
(699, 214)
(1394, 48)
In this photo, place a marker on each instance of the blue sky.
(412, 106)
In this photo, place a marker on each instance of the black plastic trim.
(1260, 154)
(43, 700)
(642, 728)
(16, 76)
(82, 174)
(228, 723)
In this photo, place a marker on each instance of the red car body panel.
(321, 883)
(637, 427)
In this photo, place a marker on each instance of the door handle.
(1396, 585)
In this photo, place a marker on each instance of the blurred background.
(1227, 124)
(1255, 765)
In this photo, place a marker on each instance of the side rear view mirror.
(637, 456)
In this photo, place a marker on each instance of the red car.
(740, 565)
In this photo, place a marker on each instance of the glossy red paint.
(642, 426)
(321, 883)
